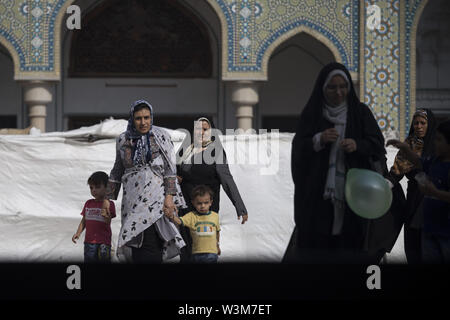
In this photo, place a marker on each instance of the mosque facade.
(245, 63)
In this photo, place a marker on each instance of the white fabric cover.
(43, 186)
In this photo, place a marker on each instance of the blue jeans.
(435, 249)
(205, 258)
(97, 252)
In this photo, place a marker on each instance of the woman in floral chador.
(145, 165)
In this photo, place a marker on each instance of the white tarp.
(43, 186)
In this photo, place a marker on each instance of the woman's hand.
(398, 144)
(179, 179)
(169, 206)
(329, 136)
(244, 218)
(348, 145)
(169, 214)
(410, 155)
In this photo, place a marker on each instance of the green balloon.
(367, 193)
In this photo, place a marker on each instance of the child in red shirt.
(97, 214)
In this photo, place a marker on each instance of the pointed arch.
(291, 33)
(223, 32)
(12, 52)
(57, 37)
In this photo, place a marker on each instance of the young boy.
(436, 204)
(97, 214)
(203, 224)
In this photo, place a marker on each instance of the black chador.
(359, 239)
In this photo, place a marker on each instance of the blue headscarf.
(141, 142)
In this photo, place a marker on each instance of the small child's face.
(202, 203)
(440, 144)
(98, 191)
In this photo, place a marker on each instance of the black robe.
(214, 175)
(314, 215)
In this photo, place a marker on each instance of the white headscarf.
(328, 79)
(195, 146)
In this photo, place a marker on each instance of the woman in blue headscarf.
(145, 166)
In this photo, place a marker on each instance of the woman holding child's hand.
(203, 162)
(145, 164)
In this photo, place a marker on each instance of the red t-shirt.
(97, 230)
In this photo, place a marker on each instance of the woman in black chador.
(204, 162)
(336, 132)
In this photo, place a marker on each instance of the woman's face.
(202, 131)
(206, 132)
(420, 125)
(142, 120)
(336, 90)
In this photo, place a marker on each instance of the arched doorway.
(162, 51)
(11, 108)
(433, 58)
(293, 69)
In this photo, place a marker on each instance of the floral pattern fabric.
(144, 192)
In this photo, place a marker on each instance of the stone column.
(37, 95)
(244, 95)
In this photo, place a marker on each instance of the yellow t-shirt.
(203, 229)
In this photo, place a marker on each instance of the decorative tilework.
(29, 26)
(381, 73)
(337, 21)
(251, 30)
(389, 64)
(413, 9)
(252, 26)
(13, 27)
(245, 28)
(256, 24)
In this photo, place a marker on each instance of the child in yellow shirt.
(203, 225)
